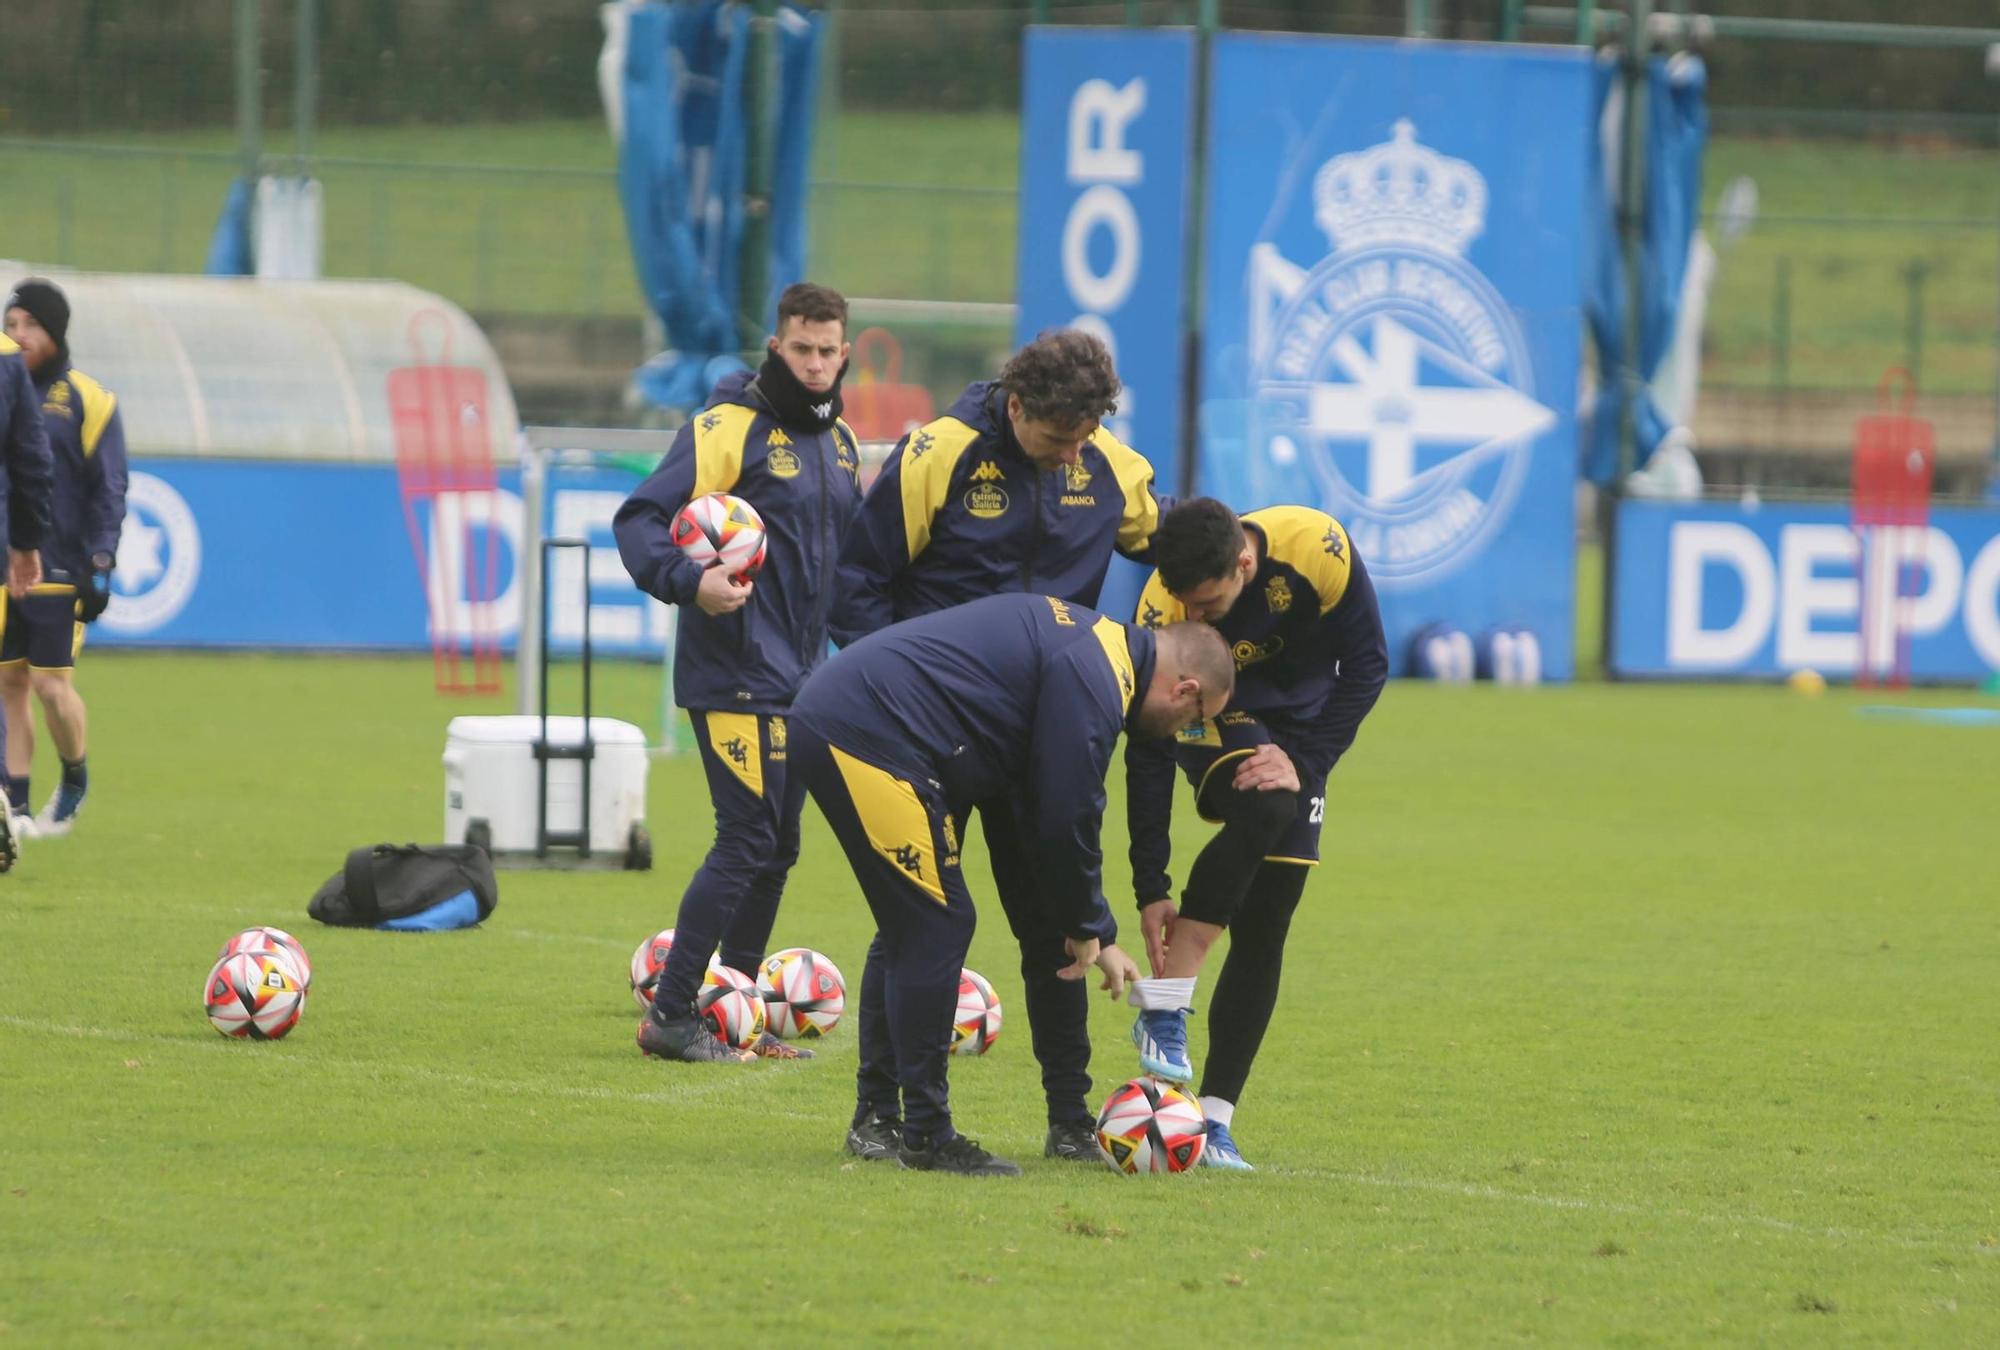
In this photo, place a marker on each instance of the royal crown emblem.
(1399, 192)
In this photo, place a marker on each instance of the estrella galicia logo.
(159, 558)
(1392, 370)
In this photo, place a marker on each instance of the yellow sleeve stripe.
(1157, 606)
(8, 346)
(926, 476)
(1312, 543)
(98, 405)
(1135, 479)
(1117, 644)
(719, 433)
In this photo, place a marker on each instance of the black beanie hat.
(43, 300)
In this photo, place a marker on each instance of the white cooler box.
(490, 786)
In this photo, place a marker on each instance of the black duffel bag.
(417, 887)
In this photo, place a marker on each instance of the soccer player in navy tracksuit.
(26, 477)
(776, 440)
(1016, 488)
(1014, 699)
(1286, 589)
(44, 630)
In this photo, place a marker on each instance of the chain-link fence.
(461, 148)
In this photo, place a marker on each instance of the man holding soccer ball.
(1019, 487)
(1014, 702)
(745, 645)
(1291, 597)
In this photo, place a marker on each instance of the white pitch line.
(725, 1080)
(1476, 1191)
(533, 936)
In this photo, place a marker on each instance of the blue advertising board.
(221, 553)
(1717, 590)
(1392, 314)
(1107, 137)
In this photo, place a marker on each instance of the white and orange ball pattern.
(649, 961)
(1149, 1125)
(977, 1024)
(719, 530)
(256, 994)
(729, 1003)
(804, 995)
(272, 939)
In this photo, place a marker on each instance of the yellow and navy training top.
(26, 473)
(87, 446)
(959, 511)
(1015, 698)
(806, 485)
(1311, 660)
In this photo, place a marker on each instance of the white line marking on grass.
(533, 936)
(1476, 1191)
(724, 1080)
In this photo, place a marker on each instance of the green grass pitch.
(1618, 1015)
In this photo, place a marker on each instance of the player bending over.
(1288, 593)
(1017, 699)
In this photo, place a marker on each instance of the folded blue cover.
(460, 911)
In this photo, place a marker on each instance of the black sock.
(76, 775)
(1245, 994)
(17, 792)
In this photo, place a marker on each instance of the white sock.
(1163, 994)
(1217, 1109)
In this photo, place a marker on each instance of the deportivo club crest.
(1391, 371)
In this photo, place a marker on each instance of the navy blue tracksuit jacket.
(26, 470)
(1012, 696)
(87, 443)
(806, 486)
(959, 512)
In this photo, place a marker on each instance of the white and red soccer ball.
(255, 993)
(1149, 1125)
(272, 939)
(977, 1024)
(722, 531)
(728, 1001)
(649, 962)
(804, 995)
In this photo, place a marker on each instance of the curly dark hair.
(1063, 377)
(1198, 540)
(813, 303)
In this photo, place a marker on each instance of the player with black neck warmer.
(796, 404)
(775, 439)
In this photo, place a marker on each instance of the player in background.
(1017, 488)
(43, 634)
(26, 476)
(1287, 591)
(1014, 699)
(775, 439)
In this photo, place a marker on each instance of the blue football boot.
(1221, 1150)
(1161, 1036)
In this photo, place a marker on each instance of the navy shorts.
(42, 629)
(1208, 753)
